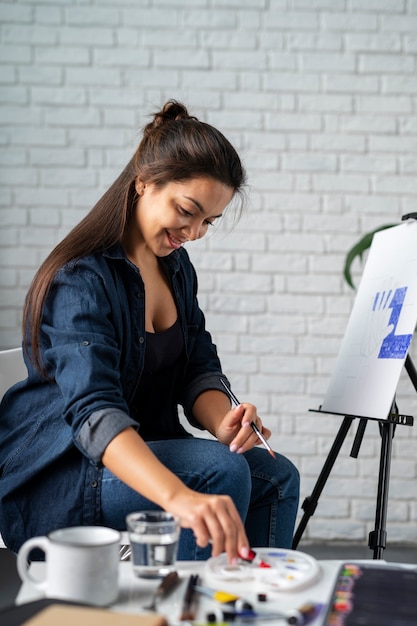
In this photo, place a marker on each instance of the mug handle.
(22, 562)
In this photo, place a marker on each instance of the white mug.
(82, 564)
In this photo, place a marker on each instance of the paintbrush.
(253, 425)
(166, 585)
(188, 609)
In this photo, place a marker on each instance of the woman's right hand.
(213, 519)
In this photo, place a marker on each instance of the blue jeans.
(265, 490)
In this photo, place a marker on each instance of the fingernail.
(233, 447)
(244, 553)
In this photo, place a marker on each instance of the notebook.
(53, 613)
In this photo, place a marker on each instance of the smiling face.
(178, 212)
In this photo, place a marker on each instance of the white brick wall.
(320, 97)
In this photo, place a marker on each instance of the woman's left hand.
(235, 429)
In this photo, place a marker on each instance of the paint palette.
(275, 568)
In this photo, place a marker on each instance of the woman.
(114, 341)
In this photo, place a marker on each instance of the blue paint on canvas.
(393, 346)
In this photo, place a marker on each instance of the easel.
(377, 537)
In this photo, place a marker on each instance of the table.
(136, 592)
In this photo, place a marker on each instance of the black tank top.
(163, 349)
(157, 396)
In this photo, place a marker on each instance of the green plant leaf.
(357, 251)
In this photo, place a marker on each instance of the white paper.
(380, 328)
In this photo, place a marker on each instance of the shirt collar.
(117, 251)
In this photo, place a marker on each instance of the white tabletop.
(136, 592)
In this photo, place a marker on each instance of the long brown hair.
(175, 147)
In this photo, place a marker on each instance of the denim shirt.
(53, 432)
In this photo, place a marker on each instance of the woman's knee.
(230, 474)
(288, 480)
(280, 471)
(290, 476)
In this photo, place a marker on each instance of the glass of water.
(153, 539)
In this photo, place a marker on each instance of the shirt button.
(93, 483)
(85, 343)
(141, 339)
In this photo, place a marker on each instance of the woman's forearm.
(210, 408)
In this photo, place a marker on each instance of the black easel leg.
(378, 537)
(310, 503)
(358, 438)
(411, 371)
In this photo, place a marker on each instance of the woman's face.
(168, 217)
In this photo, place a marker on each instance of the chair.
(12, 370)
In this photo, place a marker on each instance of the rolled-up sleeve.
(100, 428)
(204, 382)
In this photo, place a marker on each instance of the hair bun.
(170, 112)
